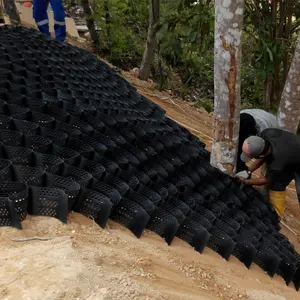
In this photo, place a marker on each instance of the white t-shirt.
(262, 119)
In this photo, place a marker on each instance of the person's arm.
(257, 164)
(255, 181)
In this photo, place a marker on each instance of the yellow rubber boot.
(277, 199)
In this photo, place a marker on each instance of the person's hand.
(242, 179)
(244, 174)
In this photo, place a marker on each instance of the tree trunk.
(149, 52)
(2, 21)
(11, 10)
(289, 109)
(107, 5)
(228, 32)
(90, 23)
(267, 92)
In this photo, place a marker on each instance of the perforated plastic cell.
(207, 190)
(51, 202)
(111, 166)
(98, 146)
(120, 154)
(81, 176)
(194, 234)
(18, 155)
(231, 222)
(193, 175)
(267, 259)
(164, 224)
(205, 212)
(221, 242)
(258, 224)
(150, 171)
(131, 215)
(5, 121)
(95, 168)
(240, 217)
(176, 212)
(117, 183)
(250, 233)
(287, 267)
(296, 279)
(106, 189)
(8, 215)
(56, 136)
(114, 135)
(217, 207)
(128, 135)
(94, 205)
(84, 127)
(183, 183)
(82, 148)
(200, 219)
(67, 154)
(56, 112)
(25, 127)
(184, 208)
(17, 192)
(230, 199)
(11, 137)
(245, 251)
(70, 130)
(29, 175)
(130, 179)
(49, 163)
(5, 170)
(68, 185)
(14, 111)
(144, 202)
(139, 154)
(150, 194)
(41, 119)
(225, 227)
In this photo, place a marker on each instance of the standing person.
(41, 17)
(252, 122)
(280, 151)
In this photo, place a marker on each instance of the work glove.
(244, 174)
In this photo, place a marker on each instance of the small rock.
(87, 35)
(81, 40)
(73, 231)
(82, 28)
(136, 72)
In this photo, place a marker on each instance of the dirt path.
(84, 261)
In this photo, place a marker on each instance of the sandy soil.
(83, 261)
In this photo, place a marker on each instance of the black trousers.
(247, 128)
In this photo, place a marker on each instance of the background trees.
(185, 42)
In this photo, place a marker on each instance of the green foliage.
(206, 104)
(123, 25)
(185, 38)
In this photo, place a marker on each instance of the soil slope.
(83, 261)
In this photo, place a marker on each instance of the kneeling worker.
(280, 151)
(252, 122)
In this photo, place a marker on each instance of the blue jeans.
(41, 17)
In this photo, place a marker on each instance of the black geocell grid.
(76, 136)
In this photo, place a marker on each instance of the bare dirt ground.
(83, 261)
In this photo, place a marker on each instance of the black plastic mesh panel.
(83, 139)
